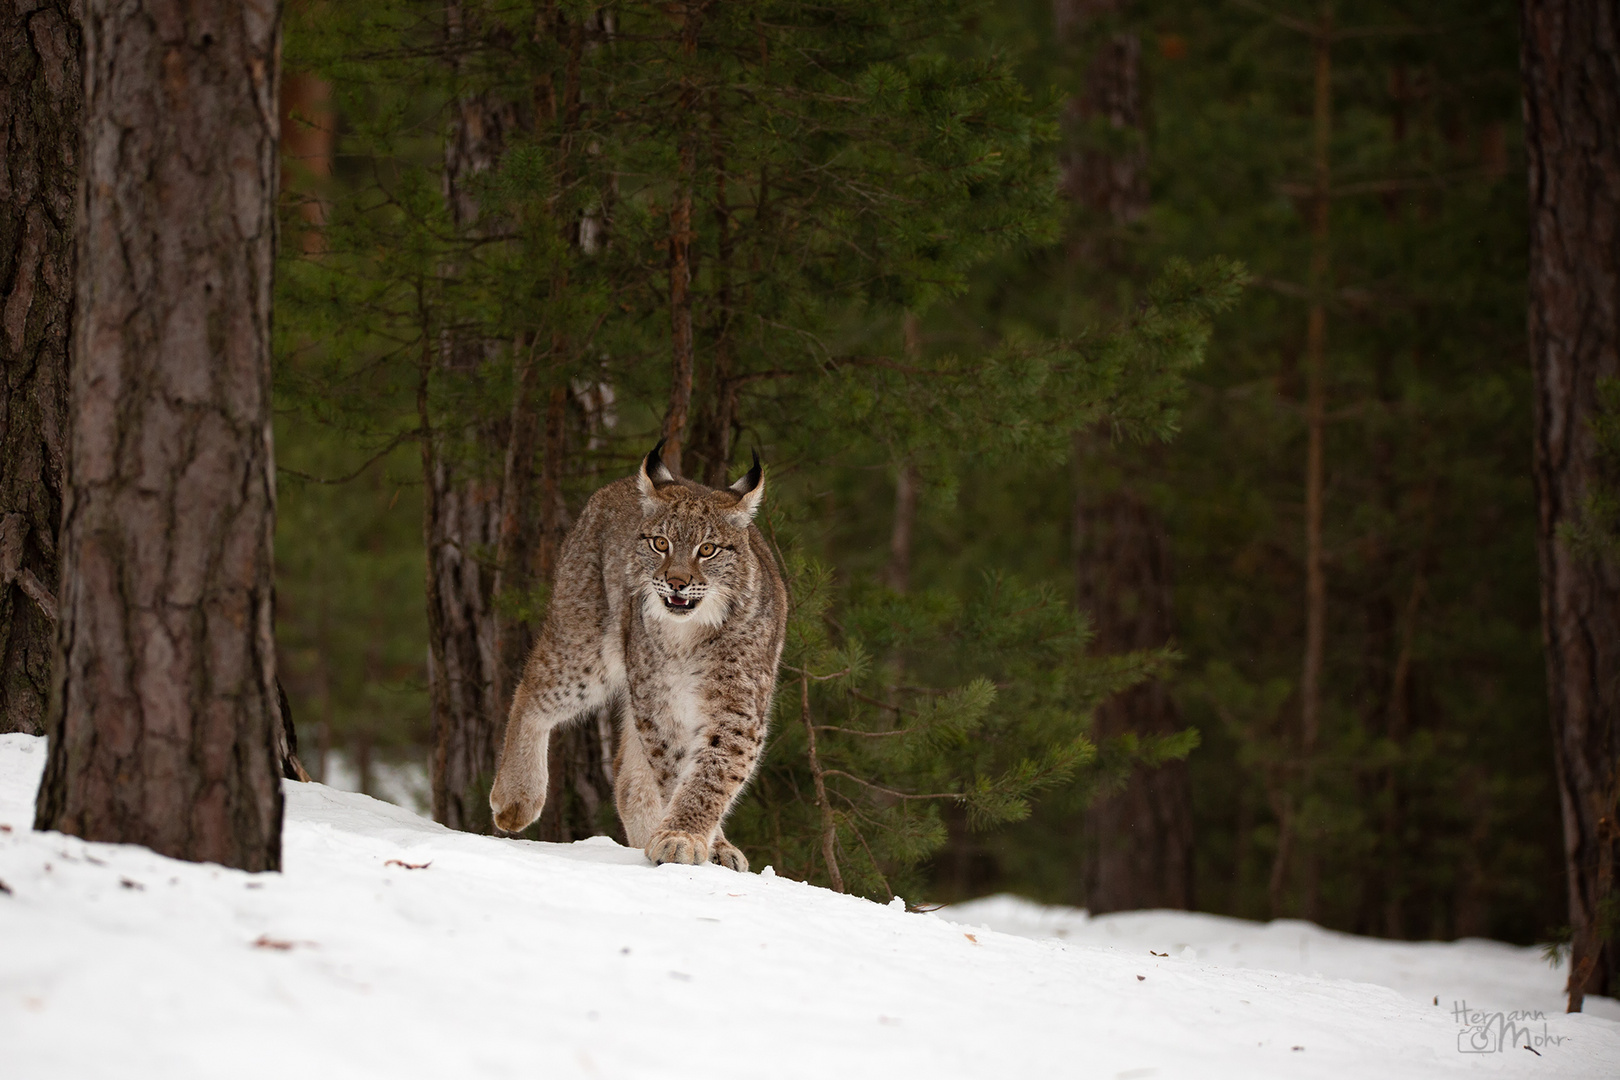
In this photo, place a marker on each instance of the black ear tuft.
(751, 481)
(654, 465)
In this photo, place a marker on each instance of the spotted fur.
(669, 603)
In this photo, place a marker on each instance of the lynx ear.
(752, 490)
(653, 472)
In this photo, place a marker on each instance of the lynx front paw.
(667, 845)
(514, 811)
(729, 855)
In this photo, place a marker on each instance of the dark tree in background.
(164, 726)
(1138, 838)
(462, 515)
(1571, 65)
(41, 87)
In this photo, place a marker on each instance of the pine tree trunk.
(1571, 68)
(682, 346)
(1111, 183)
(462, 508)
(1139, 839)
(1310, 684)
(308, 135)
(41, 92)
(164, 727)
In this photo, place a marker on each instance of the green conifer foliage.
(774, 184)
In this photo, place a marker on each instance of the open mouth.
(681, 605)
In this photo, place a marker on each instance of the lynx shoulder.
(667, 602)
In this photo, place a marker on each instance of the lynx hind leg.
(727, 854)
(635, 789)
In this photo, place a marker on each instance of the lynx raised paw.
(729, 855)
(514, 812)
(667, 845)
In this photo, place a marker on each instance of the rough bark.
(682, 345)
(1139, 839)
(462, 511)
(41, 94)
(165, 720)
(1571, 69)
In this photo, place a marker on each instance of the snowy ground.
(393, 948)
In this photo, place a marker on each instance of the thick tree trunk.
(164, 726)
(1140, 839)
(1571, 67)
(41, 92)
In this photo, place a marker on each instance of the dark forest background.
(1142, 388)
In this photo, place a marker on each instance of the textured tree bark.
(164, 727)
(41, 94)
(462, 508)
(1139, 839)
(682, 346)
(1571, 69)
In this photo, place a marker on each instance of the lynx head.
(693, 551)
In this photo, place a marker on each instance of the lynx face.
(691, 556)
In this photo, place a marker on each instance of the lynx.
(668, 603)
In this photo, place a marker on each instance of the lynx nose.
(678, 581)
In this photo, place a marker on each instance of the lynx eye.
(707, 551)
(658, 544)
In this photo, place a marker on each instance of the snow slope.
(1482, 974)
(508, 958)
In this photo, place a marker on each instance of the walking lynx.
(667, 601)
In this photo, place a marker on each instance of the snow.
(1480, 973)
(509, 958)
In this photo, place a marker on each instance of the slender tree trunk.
(898, 572)
(41, 94)
(164, 727)
(520, 534)
(1571, 67)
(716, 424)
(1139, 839)
(1310, 683)
(682, 346)
(308, 135)
(1310, 691)
(462, 511)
